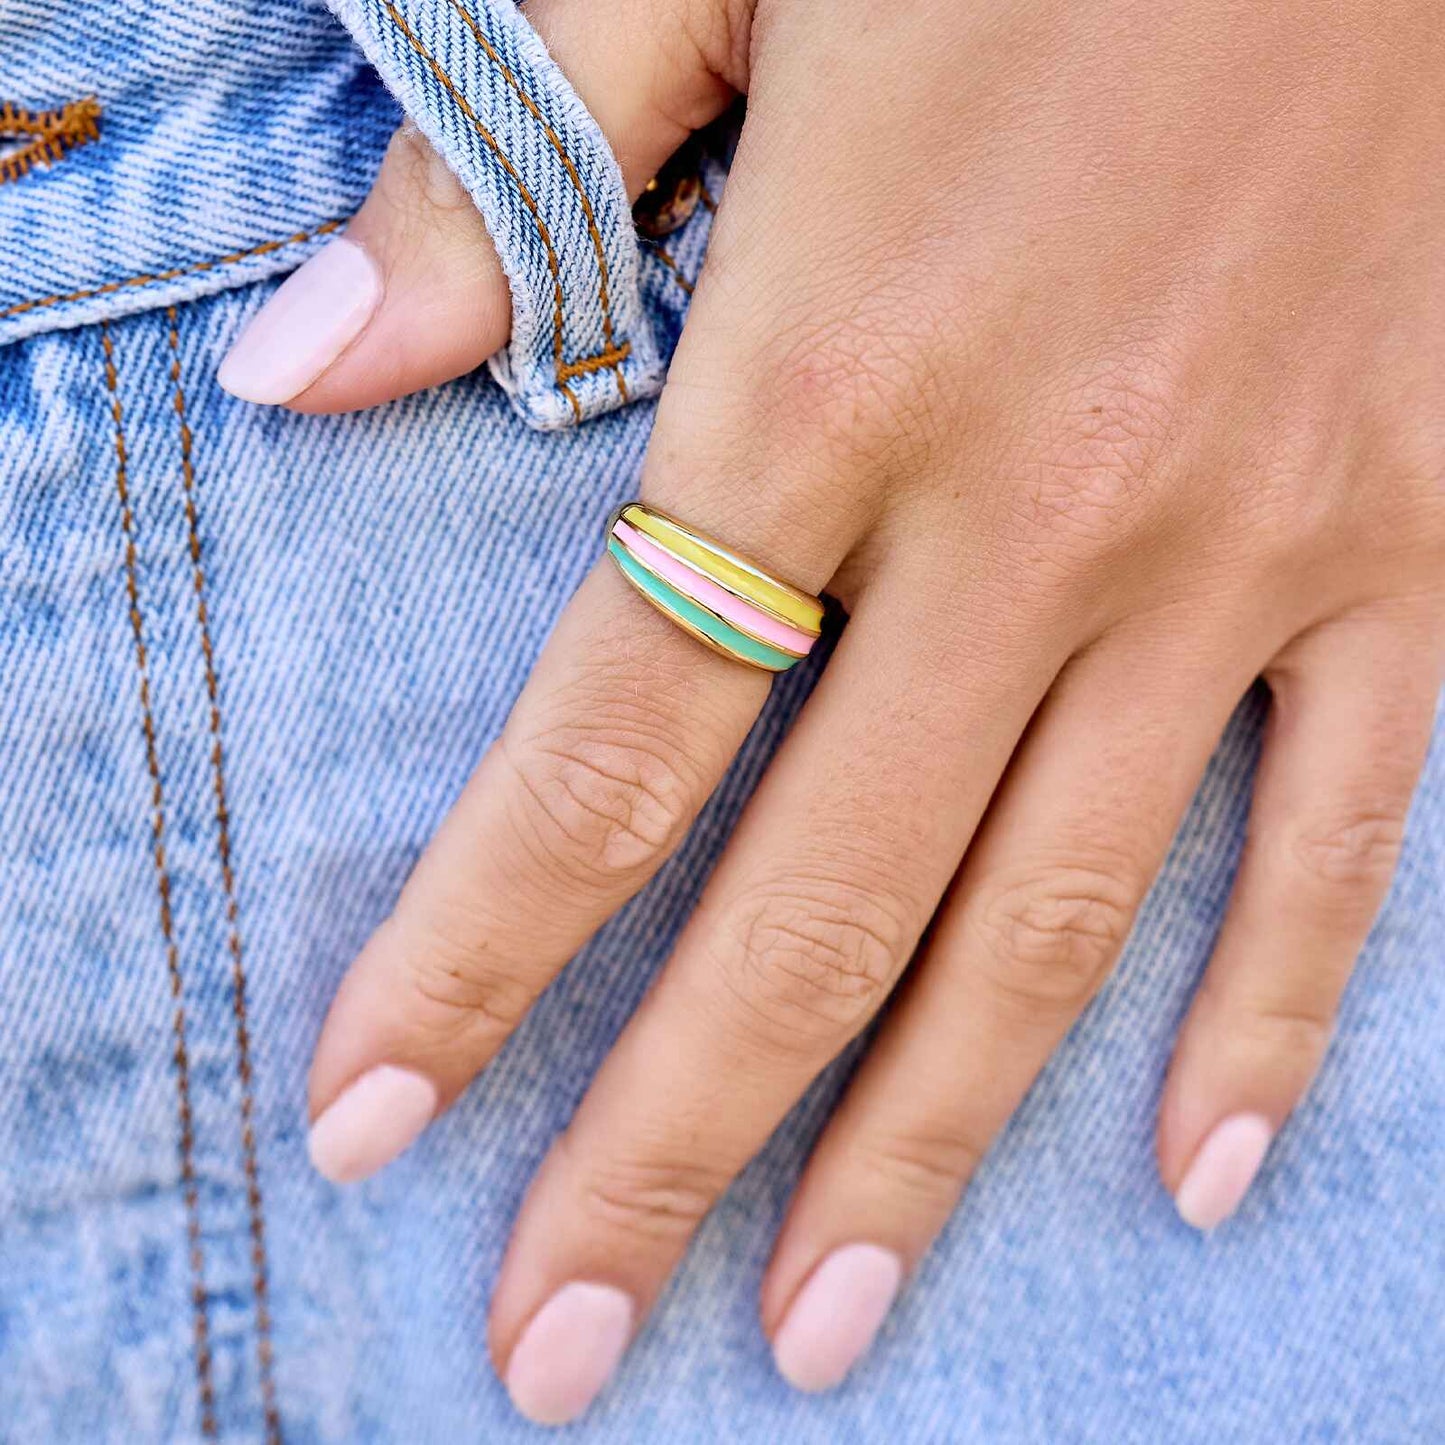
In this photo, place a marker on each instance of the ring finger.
(1034, 923)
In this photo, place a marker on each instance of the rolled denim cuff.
(478, 82)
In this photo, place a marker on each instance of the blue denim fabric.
(250, 658)
(232, 138)
(481, 86)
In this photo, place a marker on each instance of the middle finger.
(818, 903)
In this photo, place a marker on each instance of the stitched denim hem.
(480, 84)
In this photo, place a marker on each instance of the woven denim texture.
(232, 137)
(324, 621)
(479, 83)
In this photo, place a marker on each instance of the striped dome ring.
(723, 600)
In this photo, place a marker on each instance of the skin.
(1094, 359)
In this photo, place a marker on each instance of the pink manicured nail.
(371, 1123)
(835, 1315)
(569, 1352)
(317, 313)
(1223, 1170)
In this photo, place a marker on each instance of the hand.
(1094, 359)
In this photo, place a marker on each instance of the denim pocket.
(209, 145)
(154, 157)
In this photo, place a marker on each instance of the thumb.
(413, 294)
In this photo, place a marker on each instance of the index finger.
(619, 737)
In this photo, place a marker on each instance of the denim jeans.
(249, 658)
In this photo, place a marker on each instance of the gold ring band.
(734, 606)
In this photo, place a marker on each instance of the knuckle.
(1049, 936)
(854, 392)
(1408, 453)
(413, 172)
(815, 963)
(1293, 1036)
(1088, 478)
(1420, 461)
(926, 1166)
(444, 967)
(599, 809)
(655, 1201)
(1355, 850)
(1380, 507)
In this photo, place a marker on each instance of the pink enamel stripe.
(717, 599)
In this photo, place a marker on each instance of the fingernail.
(315, 315)
(371, 1123)
(837, 1312)
(569, 1352)
(1223, 1170)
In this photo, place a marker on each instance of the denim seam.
(614, 354)
(255, 1202)
(661, 252)
(608, 360)
(158, 277)
(52, 134)
(563, 370)
(190, 1192)
(705, 198)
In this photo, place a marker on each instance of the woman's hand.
(1094, 358)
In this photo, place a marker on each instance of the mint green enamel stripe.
(671, 600)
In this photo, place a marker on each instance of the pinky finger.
(1354, 702)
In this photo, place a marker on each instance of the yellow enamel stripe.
(728, 569)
